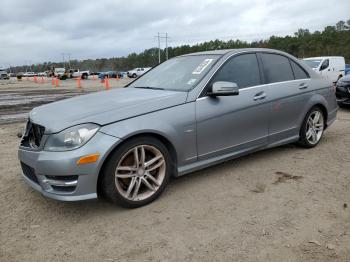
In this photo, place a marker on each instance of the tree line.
(331, 41)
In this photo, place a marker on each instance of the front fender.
(175, 124)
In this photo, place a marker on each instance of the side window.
(276, 68)
(299, 72)
(242, 70)
(325, 64)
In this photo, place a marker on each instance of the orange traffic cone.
(78, 82)
(57, 82)
(107, 83)
(42, 80)
(52, 81)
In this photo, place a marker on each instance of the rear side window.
(299, 72)
(276, 68)
(242, 70)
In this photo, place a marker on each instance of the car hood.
(103, 107)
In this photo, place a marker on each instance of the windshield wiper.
(149, 87)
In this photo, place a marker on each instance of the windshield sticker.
(192, 81)
(202, 66)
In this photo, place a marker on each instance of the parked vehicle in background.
(42, 74)
(187, 113)
(136, 72)
(29, 74)
(347, 69)
(75, 73)
(4, 75)
(110, 74)
(331, 67)
(59, 72)
(343, 91)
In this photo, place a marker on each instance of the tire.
(316, 129)
(134, 75)
(121, 179)
(84, 76)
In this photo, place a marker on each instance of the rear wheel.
(312, 128)
(137, 172)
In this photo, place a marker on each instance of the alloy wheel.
(140, 172)
(314, 127)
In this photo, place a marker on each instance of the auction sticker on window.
(202, 66)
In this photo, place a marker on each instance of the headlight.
(71, 138)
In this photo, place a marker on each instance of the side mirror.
(222, 88)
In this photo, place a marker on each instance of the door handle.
(303, 86)
(260, 96)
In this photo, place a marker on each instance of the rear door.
(289, 86)
(227, 124)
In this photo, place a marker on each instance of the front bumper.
(343, 94)
(56, 174)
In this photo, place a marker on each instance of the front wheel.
(312, 128)
(137, 172)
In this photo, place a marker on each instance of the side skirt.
(183, 170)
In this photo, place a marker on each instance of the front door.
(229, 124)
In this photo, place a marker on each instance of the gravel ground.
(282, 204)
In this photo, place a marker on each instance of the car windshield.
(177, 74)
(313, 63)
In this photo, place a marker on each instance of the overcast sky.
(40, 30)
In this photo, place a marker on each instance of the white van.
(331, 67)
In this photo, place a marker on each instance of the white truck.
(75, 73)
(331, 67)
(59, 72)
(4, 74)
(29, 74)
(136, 72)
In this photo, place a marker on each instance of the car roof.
(223, 52)
(322, 57)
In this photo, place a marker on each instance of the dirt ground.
(282, 204)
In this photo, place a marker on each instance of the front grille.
(33, 135)
(29, 173)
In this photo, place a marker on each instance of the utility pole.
(166, 45)
(69, 54)
(158, 48)
(30, 64)
(63, 59)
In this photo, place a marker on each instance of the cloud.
(41, 30)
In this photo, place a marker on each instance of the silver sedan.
(188, 113)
